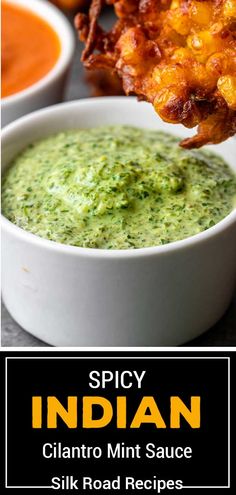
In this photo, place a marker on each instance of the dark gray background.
(223, 333)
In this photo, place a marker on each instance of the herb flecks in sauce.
(116, 188)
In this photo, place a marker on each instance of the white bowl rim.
(67, 48)
(189, 242)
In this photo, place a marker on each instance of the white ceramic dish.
(50, 89)
(69, 296)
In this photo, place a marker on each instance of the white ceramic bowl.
(50, 89)
(70, 296)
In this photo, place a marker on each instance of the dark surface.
(223, 334)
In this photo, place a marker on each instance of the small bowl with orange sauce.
(38, 45)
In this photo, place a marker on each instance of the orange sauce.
(30, 48)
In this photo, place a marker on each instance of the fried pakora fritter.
(71, 4)
(180, 55)
(104, 83)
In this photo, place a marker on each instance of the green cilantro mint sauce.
(116, 188)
